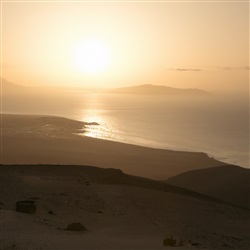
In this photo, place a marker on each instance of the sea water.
(215, 124)
(211, 124)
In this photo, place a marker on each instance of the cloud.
(212, 68)
(184, 69)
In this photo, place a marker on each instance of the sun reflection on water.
(104, 129)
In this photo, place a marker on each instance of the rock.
(169, 241)
(27, 206)
(51, 212)
(76, 227)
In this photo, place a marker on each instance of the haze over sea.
(211, 124)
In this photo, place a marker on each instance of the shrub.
(76, 227)
(169, 241)
(27, 206)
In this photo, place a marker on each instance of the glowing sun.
(91, 56)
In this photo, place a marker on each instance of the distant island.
(150, 89)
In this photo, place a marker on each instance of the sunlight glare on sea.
(187, 125)
(102, 130)
(96, 112)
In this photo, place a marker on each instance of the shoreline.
(154, 144)
(34, 139)
(175, 149)
(100, 132)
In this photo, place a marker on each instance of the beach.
(54, 140)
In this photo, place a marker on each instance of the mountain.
(149, 89)
(11, 88)
(36, 99)
(229, 183)
(106, 176)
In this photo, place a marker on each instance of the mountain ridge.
(151, 89)
(106, 176)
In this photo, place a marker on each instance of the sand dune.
(117, 216)
(229, 183)
(54, 140)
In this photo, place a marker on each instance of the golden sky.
(110, 44)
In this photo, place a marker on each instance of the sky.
(184, 44)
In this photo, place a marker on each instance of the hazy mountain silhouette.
(11, 88)
(228, 183)
(35, 99)
(149, 89)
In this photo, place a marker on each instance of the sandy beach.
(55, 140)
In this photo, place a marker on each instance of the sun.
(91, 56)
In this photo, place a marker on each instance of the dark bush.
(51, 212)
(169, 241)
(28, 206)
(76, 227)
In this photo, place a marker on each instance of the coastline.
(30, 139)
(231, 157)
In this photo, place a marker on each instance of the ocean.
(212, 124)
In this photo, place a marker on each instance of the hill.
(36, 99)
(119, 211)
(229, 183)
(149, 89)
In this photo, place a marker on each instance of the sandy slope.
(54, 140)
(229, 183)
(116, 216)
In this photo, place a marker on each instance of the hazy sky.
(111, 44)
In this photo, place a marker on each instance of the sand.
(55, 140)
(229, 183)
(117, 216)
